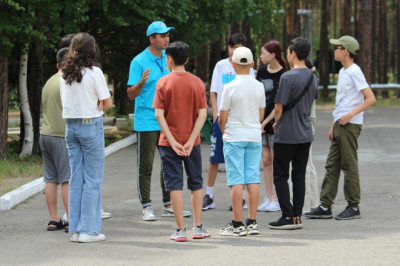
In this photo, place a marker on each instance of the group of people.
(266, 116)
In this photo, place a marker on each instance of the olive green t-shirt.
(53, 124)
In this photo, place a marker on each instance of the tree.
(383, 43)
(323, 51)
(365, 32)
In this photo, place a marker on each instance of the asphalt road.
(372, 240)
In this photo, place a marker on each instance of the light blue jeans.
(85, 143)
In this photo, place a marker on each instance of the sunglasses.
(335, 47)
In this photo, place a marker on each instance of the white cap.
(242, 56)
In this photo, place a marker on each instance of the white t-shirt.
(79, 100)
(223, 74)
(243, 98)
(348, 93)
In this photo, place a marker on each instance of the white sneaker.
(169, 212)
(85, 238)
(273, 206)
(245, 207)
(148, 214)
(264, 205)
(74, 237)
(105, 215)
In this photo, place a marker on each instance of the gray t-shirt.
(294, 126)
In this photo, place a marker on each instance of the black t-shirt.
(271, 85)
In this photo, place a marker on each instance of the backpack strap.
(295, 101)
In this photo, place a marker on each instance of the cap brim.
(166, 30)
(334, 41)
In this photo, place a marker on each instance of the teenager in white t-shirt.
(242, 110)
(222, 75)
(353, 97)
(84, 96)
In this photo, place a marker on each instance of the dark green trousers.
(342, 157)
(147, 144)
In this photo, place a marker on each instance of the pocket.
(88, 131)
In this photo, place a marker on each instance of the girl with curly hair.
(84, 95)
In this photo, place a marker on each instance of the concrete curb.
(9, 200)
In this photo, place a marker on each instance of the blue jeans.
(85, 143)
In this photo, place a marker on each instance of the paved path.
(372, 240)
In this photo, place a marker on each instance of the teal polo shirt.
(145, 118)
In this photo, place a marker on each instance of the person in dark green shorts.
(353, 97)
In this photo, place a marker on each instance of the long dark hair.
(82, 53)
(274, 47)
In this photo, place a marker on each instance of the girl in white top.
(84, 96)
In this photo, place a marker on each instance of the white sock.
(244, 194)
(210, 191)
(322, 207)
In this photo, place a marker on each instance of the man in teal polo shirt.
(145, 70)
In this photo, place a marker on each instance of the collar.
(243, 76)
(153, 57)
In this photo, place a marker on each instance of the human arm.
(164, 127)
(135, 90)
(201, 118)
(330, 134)
(213, 98)
(268, 119)
(369, 100)
(223, 115)
(278, 113)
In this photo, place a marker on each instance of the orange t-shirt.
(181, 95)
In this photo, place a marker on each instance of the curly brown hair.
(82, 53)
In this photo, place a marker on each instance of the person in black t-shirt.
(269, 75)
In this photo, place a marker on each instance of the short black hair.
(66, 41)
(61, 53)
(352, 56)
(237, 38)
(179, 51)
(301, 47)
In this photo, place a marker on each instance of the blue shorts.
(242, 162)
(173, 170)
(217, 145)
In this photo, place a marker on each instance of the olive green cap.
(347, 42)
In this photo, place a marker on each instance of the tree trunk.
(3, 104)
(345, 17)
(374, 40)
(35, 85)
(202, 63)
(365, 32)
(215, 56)
(333, 23)
(383, 43)
(23, 95)
(324, 52)
(397, 47)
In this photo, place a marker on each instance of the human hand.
(100, 105)
(330, 134)
(263, 124)
(345, 119)
(188, 147)
(274, 127)
(215, 116)
(145, 77)
(178, 149)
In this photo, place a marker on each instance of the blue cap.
(158, 27)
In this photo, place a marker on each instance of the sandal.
(59, 225)
(66, 224)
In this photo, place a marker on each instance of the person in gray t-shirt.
(293, 134)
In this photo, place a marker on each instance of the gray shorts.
(268, 140)
(56, 168)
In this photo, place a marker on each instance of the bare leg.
(64, 196)
(237, 201)
(253, 190)
(51, 199)
(177, 206)
(197, 204)
(268, 158)
(212, 174)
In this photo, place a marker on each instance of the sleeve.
(135, 73)
(203, 99)
(283, 93)
(225, 100)
(101, 84)
(158, 101)
(359, 80)
(262, 100)
(215, 80)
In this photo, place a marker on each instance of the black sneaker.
(208, 203)
(319, 213)
(243, 204)
(348, 214)
(284, 223)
